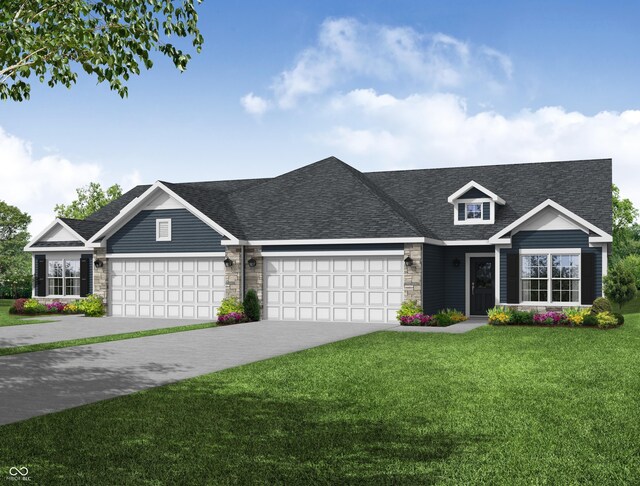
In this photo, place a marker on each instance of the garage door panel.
(166, 287)
(357, 289)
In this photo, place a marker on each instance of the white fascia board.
(49, 249)
(216, 254)
(332, 253)
(466, 242)
(127, 211)
(343, 241)
(48, 228)
(601, 239)
(561, 209)
(494, 197)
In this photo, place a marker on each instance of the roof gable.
(472, 187)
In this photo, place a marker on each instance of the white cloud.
(436, 130)
(36, 184)
(254, 105)
(349, 50)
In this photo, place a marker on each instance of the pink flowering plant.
(55, 307)
(418, 319)
(550, 319)
(232, 318)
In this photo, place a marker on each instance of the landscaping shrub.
(620, 318)
(55, 307)
(408, 308)
(521, 317)
(632, 264)
(499, 316)
(71, 308)
(92, 306)
(550, 318)
(251, 305)
(232, 318)
(606, 320)
(601, 304)
(418, 319)
(32, 307)
(576, 315)
(590, 320)
(230, 305)
(18, 306)
(447, 317)
(620, 285)
(455, 315)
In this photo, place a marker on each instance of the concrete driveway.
(75, 327)
(34, 384)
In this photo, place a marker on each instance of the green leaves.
(109, 39)
(15, 264)
(90, 199)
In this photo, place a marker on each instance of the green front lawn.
(498, 405)
(7, 319)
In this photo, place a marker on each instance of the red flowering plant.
(550, 318)
(232, 318)
(55, 307)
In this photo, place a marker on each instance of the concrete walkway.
(75, 327)
(34, 384)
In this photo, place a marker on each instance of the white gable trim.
(603, 236)
(139, 203)
(56, 221)
(469, 185)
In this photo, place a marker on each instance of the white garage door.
(348, 289)
(166, 287)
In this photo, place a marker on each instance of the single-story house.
(327, 242)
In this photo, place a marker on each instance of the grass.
(498, 405)
(7, 319)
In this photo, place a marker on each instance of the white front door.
(347, 289)
(187, 288)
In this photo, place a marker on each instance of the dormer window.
(474, 204)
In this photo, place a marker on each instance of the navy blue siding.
(548, 240)
(433, 279)
(444, 283)
(188, 234)
(473, 193)
(337, 247)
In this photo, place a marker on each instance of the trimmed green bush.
(522, 317)
(32, 307)
(230, 305)
(589, 320)
(620, 318)
(606, 320)
(252, 305)
(92, 306)
(601, 304)
(620, 285)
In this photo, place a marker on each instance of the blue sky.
(380, 84)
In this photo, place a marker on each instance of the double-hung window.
(63, 277)
(473, 211)
(550, 277)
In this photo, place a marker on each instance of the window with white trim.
(63, 277)
(473, 210)
(550, 278)
(163, 229)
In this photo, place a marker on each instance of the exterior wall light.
(228, 262)
(252, 262)
(408, 261)
(98, 263)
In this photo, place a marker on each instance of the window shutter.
(85, 262)
(41, 276)
(461, 211)
(513, 278)
(588, 278)
(486, 211)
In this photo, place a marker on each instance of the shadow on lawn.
(206, 433)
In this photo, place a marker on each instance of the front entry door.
(482, 285)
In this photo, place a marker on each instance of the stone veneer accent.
(413, 274)
(232, 277)
(101, 275)
(253, 275)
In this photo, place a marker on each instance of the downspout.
(242, 271)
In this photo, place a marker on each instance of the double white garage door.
(347, 289)
(185, 288)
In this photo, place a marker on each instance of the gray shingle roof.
(84, 227)
(329, 199)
